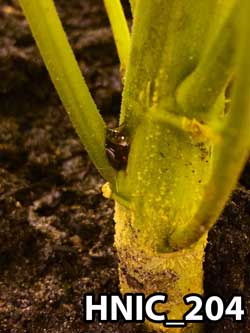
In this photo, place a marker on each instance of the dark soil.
(56, 229)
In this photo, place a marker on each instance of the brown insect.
(117, 147)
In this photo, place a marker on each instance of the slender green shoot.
(232, 150)
(120, 30)
(67, 78)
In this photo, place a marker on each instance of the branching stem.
(231, 152)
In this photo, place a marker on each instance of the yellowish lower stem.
(142, 271)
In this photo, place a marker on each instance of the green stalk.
(120, 30)
(67, 78)
(168, 41)
(198, 93)
(171, 151)
(146, 51)
(232, 149)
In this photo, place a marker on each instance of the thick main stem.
(176, 274)
(164, 181)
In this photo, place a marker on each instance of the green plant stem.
(67, 78)
(232, 150)
(146, 51)
(120, 30)
(199, 92)
(170, 151)
(144, 271)
(168, 41)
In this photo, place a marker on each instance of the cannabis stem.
(67, 78)
(231, 152)
(120, 30)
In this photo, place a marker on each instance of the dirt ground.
(56, 229)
